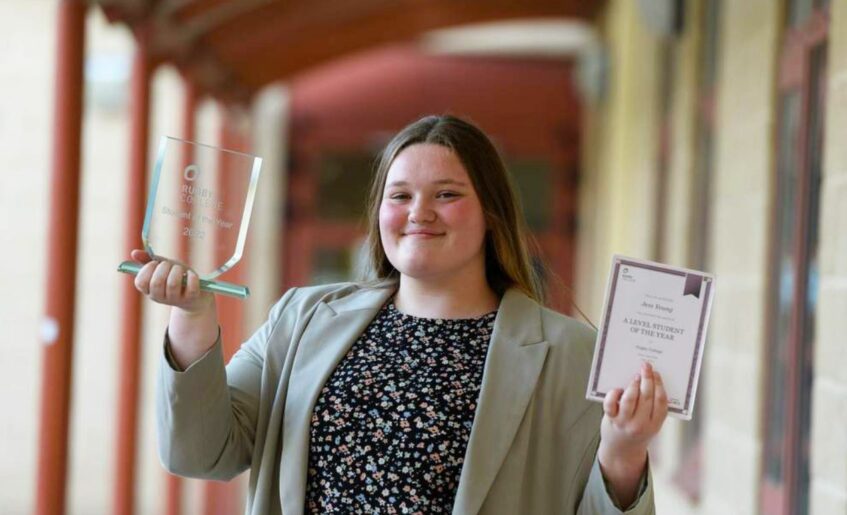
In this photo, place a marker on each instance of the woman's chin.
(430, 266)
(419, 272)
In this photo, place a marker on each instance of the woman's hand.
(193, 325)
(171, 284)
(632, 418)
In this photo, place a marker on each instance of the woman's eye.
(398, 196)
(447, 194)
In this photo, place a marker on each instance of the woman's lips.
(423, 234)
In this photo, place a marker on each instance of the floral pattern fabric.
(391, 425)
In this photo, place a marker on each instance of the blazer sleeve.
(206, 415)
(598, 500)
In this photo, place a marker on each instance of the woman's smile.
(424, 235)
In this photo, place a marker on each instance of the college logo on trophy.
(198, 210)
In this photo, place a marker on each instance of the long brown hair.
(507, 261)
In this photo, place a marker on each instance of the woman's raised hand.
(633, 416)
(171, 284)
(193, 326)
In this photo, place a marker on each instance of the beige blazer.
(532, 447)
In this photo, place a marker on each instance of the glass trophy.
(198, 210)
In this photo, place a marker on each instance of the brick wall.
(740, 224)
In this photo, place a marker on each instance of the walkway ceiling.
(232, 48)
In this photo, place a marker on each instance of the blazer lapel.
(516, 355)
(330, 333)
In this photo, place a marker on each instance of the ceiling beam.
(266, 56)
(231, 48)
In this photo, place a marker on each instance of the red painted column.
(224, 498)
(231, 308)
(174, 483)
(130, 332)
(58, 325)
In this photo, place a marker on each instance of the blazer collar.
(368, 299)
(516, 354)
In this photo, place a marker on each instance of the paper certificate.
(655, 313)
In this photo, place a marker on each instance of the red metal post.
(58, 325)
(130, 332)
(173, 484)
(231, 308)
(224, 498)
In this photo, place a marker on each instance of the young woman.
(442, 385)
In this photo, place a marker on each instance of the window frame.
(797, 52)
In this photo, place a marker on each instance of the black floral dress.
(391, 425)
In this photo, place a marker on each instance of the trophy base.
(224, 288)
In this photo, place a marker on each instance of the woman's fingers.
(660, 400)
(174, 290)
(645, 399)
(139, 256)
(192, 285)
(142, 278)
(169, 283)
(629, 400)
(640, 413)
(159, 282)
(610, 402)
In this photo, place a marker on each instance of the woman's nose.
(421, 212)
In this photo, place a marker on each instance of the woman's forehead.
(426, 162)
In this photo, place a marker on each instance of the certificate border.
(618, 261)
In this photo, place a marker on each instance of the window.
(533, 179)
(547, 191)
(343, 187)
(344, 180)
(793, 259)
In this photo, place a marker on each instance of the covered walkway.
(230, 51)
(702, 133)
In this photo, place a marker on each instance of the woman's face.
(430, 219)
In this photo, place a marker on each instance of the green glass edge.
(151, 195)
(222, 287)
(245, 215)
